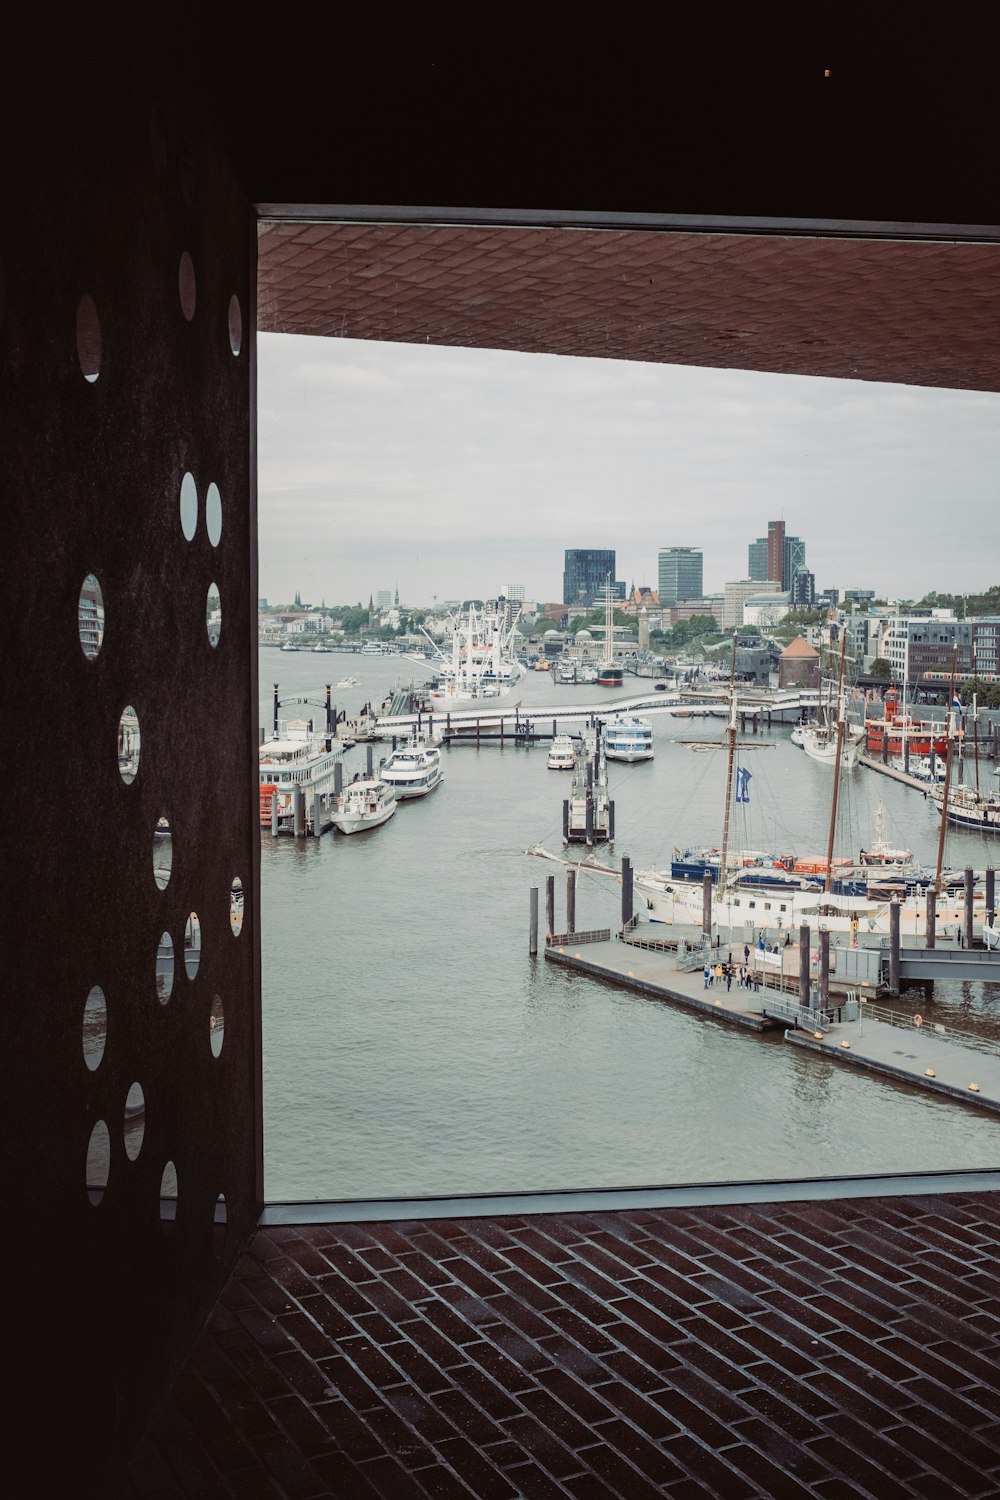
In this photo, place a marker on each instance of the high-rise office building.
(680, 574)
(757, 560)
(777, 556)
(585, 574)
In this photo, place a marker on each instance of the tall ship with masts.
(610, 673)
(480, 664)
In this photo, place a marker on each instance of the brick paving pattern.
(832, 1349)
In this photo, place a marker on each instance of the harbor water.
(413, 1047)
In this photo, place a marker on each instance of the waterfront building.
(765, 610)
(859, 596)
(585, 573)
(926, 641)
(757, 559)
(513, 591)
(91, 617)
(737, 593)
(679, 574)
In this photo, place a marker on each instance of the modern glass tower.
(680, 574)
(584, 574)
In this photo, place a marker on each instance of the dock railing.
(568, 939)
(910, 1022)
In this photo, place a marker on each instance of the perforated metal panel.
(132, 1142)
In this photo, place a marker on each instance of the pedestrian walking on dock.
(729, 978)
(746, 953)
(708, 976)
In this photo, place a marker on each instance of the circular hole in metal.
(95, 1028)
(235, 324)
(192, 945)
(88, 338)
(164, 968)
(187, 286)
(213, 514)
(213, 614)
(128, 745)
(220, 1225)
(135, 1121)
(189, 506)
(163, 853)
(98, 1161)
(168, 1197)
(90, 616)
(216, 1026)
(236, 906)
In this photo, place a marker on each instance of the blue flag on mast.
(742, 784)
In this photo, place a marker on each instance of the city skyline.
(450, 470)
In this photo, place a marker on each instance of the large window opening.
(412, 1046)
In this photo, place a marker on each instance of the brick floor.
(835, 1349)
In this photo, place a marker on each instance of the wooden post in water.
(991, 876)
(317, 815)
(276, 706)
(329, 722)
(565, 822)
(930, 937)
(570, 900)
(590, 817)
(706, 906)
(893, 947)
(298, 812)
(533, 920)
(369, 760)
(906, 754)
(970, 880)
(611, 821)
(550, 904)
(824, 967)
(627, 903)
(885, 746)
(804, 989)
(274, 814)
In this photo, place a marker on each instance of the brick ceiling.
(919, 313)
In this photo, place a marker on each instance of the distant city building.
(802, 589)
(513, 591)
(757, 559)
(91, 617)
(828, 599)
(859, 596)
(585, 574)
(765, 610)
(261, 603)
(680, 574)
(383, 599)
(927, 641)
(736, 594)
(776, 557)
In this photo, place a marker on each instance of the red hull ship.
(920, 734)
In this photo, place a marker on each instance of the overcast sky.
(454, 471)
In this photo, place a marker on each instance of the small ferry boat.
(628, 738)
(413, 770)
(897, 729)
(364, 803)
(562, 753)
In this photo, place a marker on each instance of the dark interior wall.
(106, 1285)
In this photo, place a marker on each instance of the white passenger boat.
(562, 753)
(820, 743)
(293, 757)
(628, 738)
(482, 663)
(413, 770)
(364, 803)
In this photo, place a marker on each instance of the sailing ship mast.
(836, 763)
(947, 770)
(731, 734)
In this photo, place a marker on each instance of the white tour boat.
(364, 803)
(562, 753)
(414, 769)
(628, 738)
(294, 757)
